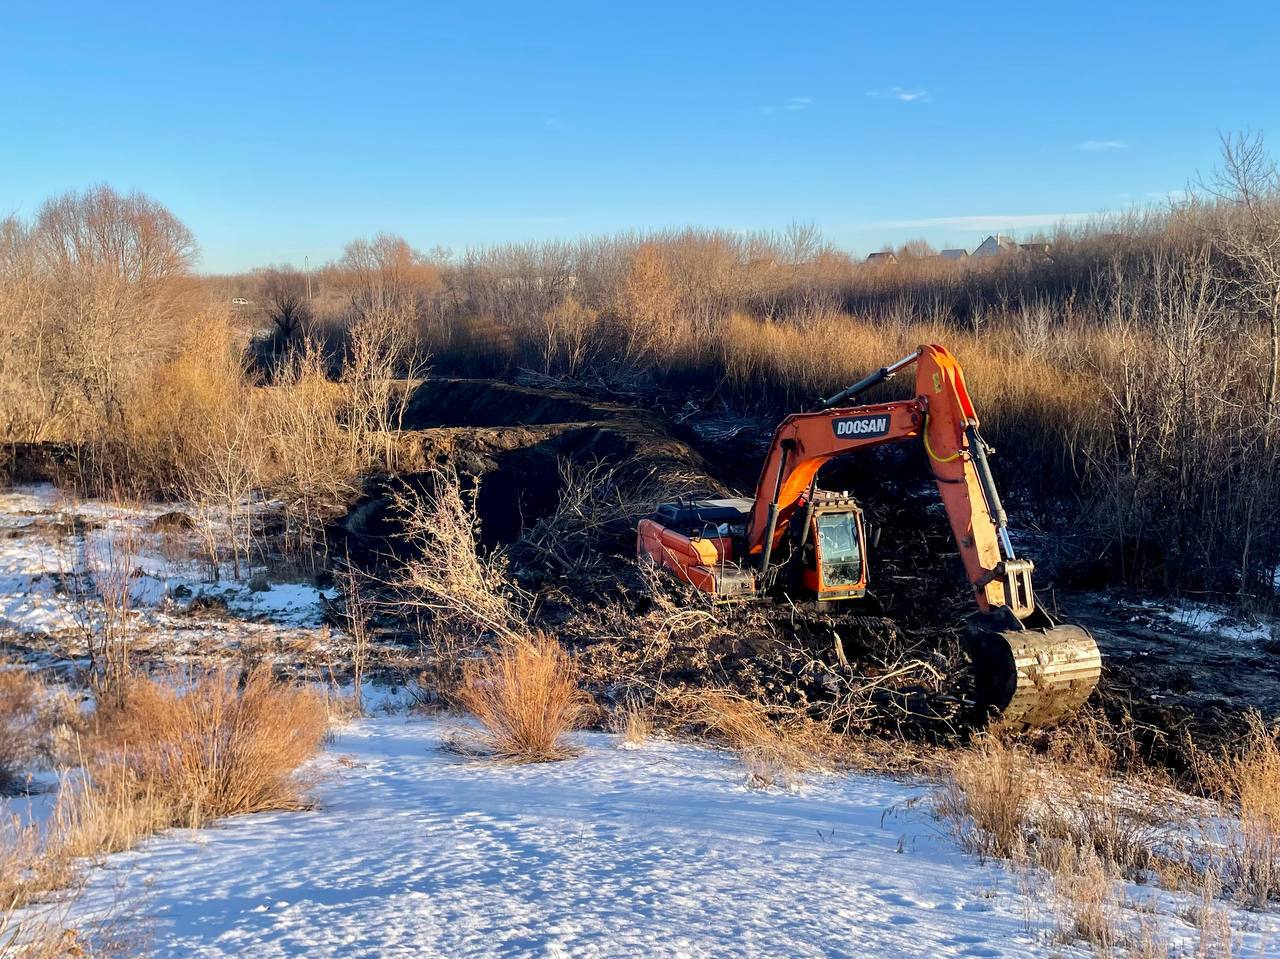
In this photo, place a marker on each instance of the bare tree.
(918, 249)
(284, 291)
(114, 268)
(1249, 237)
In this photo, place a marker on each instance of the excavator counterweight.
(793, 540)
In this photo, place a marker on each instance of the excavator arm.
(942, 416)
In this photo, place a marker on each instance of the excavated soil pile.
(513, 441)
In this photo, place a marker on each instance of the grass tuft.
(527, 698)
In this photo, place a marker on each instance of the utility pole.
(306, 268)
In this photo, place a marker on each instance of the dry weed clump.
(775, 749)
(23, 726)
(632, 722)
(1247, 780)
(1083, 888)
(526, 696)
(210, 748)
(177, 753)
(988, 798)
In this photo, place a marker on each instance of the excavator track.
(1034, 678)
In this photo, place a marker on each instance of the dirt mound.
(453, 401)
(511, 442)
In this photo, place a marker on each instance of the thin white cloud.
(902, 94)
(982, 221)
(792, 105)
(1096, 146)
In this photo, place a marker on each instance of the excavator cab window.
(839, 549)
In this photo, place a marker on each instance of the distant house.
(883, 258)
(995, 246)
(999, 245)
(954, 255)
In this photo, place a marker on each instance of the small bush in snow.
(527, 698)
(211, 748)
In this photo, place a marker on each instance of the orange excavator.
(797, 543)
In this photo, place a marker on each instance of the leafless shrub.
(309, 454)
(465, 593)
(569, 337)
(596, 498)
(526, 696)
(382, 353)
(359, 617)
(104, 608)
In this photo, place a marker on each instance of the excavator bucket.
(1034, 678)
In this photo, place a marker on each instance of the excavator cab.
(833, 557)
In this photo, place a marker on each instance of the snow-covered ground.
(1206, 619)
(655, 851)
(56, 552)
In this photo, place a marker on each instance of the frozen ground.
(657, 851)
(56, 554)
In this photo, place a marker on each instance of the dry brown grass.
(1247, 780)
(526, 696)
(988, 796)
(1083, 817)
(775, 747)
(212, 747)
(22, 723)
(632, 721)
(1084, 894)
(50, 935)
(177, 753)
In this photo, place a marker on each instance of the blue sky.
(278, 131)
